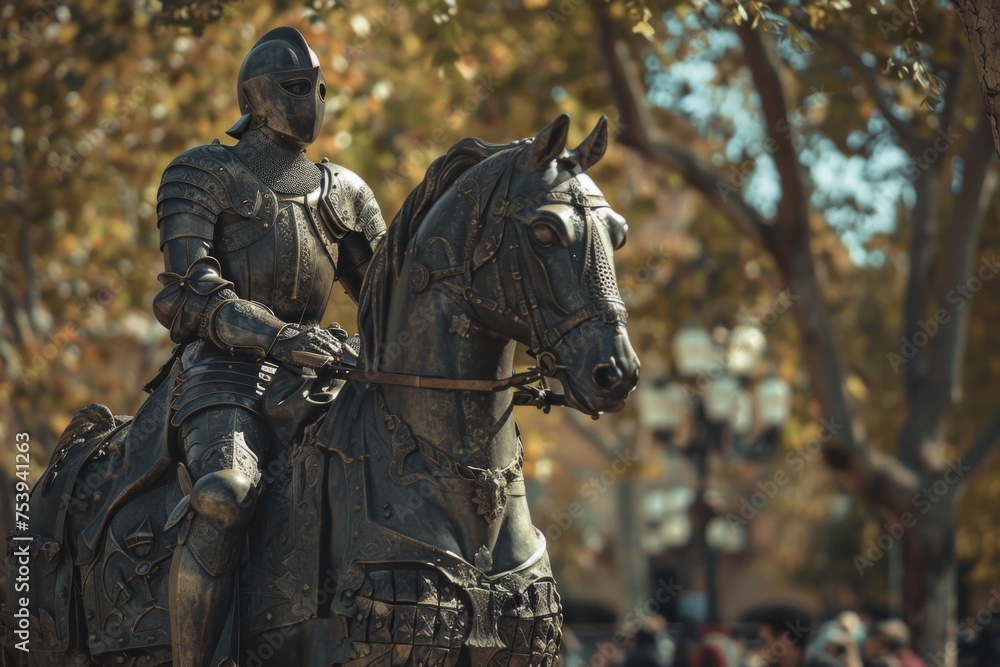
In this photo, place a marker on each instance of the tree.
(982, 21)
(934, 322)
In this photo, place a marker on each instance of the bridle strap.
(345, 372)
(425, 382)
(525, 393)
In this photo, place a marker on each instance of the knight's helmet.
(281, 87)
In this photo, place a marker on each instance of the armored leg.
(222, 446)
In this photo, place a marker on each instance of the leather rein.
(525, 392)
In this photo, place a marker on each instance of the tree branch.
(21, 196)
(793, 207)
(922, 431)
(959, 253)
(922, 252)
(953, 74)
(869, 78)
(921, 255)
(881, 479)
(979, 453)
(636, 132)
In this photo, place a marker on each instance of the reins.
(525, 392)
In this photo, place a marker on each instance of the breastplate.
(283, 264)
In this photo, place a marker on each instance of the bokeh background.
(818, 170)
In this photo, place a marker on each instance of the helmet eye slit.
(297, 87)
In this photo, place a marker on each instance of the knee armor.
(227, 498)
(223, 504)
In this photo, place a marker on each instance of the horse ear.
(592, 148)
(548, 145)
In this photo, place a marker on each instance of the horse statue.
(394, 529)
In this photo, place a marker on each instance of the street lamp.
(724, 397)
(663, 407)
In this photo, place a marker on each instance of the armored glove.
(314, 340)
(350, 345)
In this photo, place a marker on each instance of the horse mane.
(383, 271)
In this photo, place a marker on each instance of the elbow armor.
(184, 302)
(201, 304)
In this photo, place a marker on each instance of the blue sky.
(857, 192)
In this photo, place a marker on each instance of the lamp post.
(720, 398)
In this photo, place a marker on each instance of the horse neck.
(428, 334)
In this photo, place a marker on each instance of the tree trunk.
(929, 586)
(981, 19)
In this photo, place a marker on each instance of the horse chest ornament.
(390, 523)
(490, 496)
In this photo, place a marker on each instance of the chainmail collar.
(282, 170)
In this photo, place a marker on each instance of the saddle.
(95, 554)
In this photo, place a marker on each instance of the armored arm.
(351, 209)
(196, 301)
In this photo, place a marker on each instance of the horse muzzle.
(604, 374)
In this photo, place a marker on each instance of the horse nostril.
(607, 376)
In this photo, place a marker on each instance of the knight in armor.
(253, 237)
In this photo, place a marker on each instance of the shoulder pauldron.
(205, 182)
(349, 204)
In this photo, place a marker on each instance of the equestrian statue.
(290, 495)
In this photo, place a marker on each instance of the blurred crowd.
(777, 636)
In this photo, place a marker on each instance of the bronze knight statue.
(253, 238)
(286, 496)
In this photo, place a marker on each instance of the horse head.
(514, 241)
(551, 237)
(560, 235)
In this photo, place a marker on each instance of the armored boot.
(222, 444)
(204, 568)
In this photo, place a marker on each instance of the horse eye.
(296, 87)
(544, 234)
